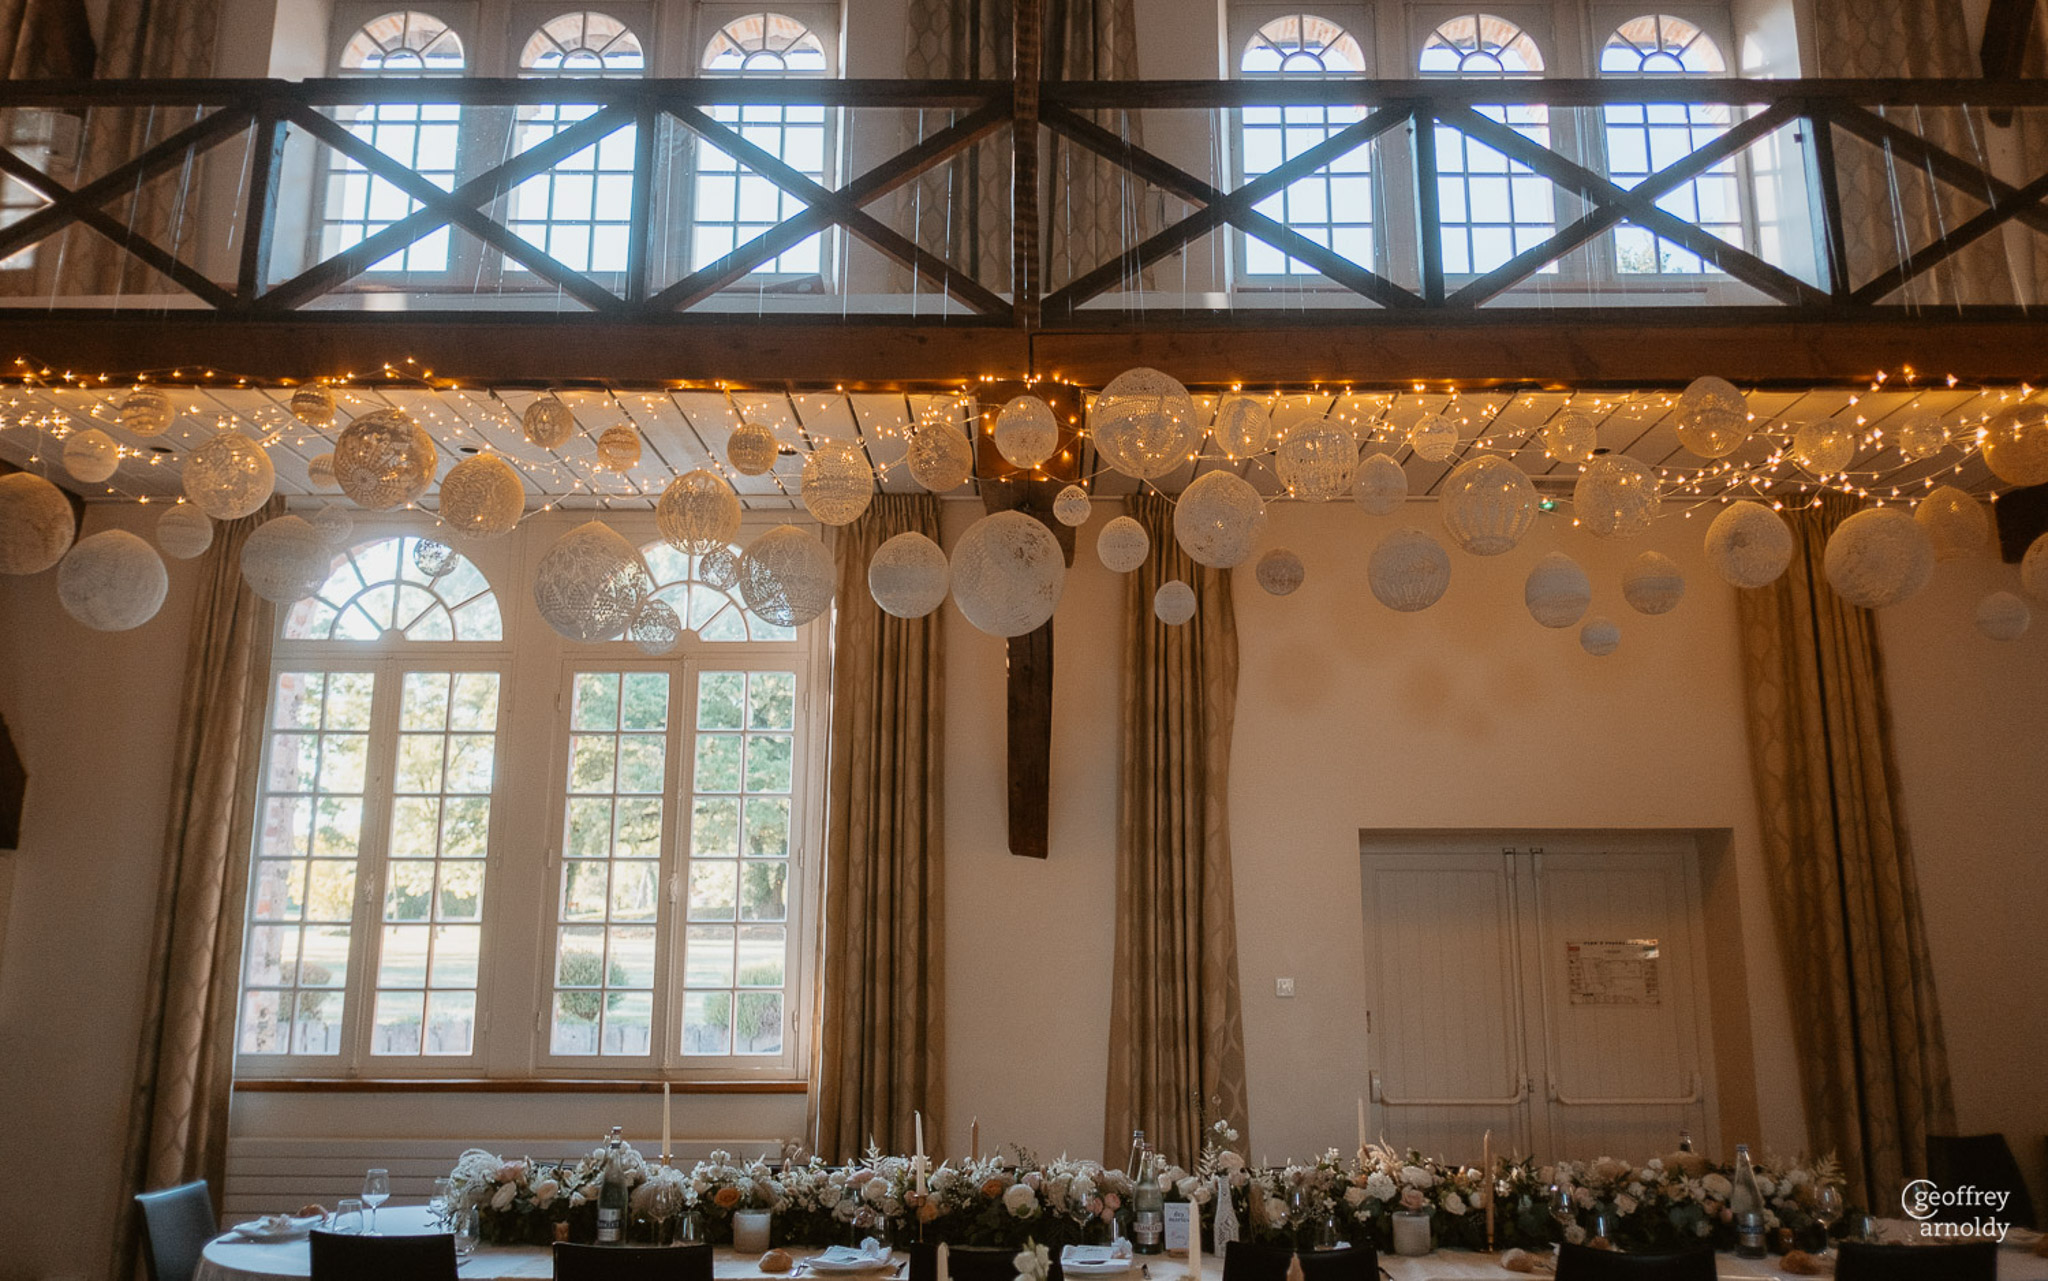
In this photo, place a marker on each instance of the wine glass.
(466, 1231)
(376, 1191)
(1828, 1206)
(1561, 1208)
(439, 1208)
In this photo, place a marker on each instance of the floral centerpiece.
(991, 1204)
(536, 1202)
(723, 1187)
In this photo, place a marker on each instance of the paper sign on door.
(1623, 973)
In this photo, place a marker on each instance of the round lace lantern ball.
(1071, 507)
(1316, 460)
(909, 576)
(384, 460)
(940, 458)
(1599, 637)
(183, 531)
(656, 628)
(1381, 486)
(591, 584)
(548, 422)
(483, 497)
(320, 472)
(787, 576)
(286, 559)
(2033, 569)
(2015, 445)
(1878, 557)
(433, 557)
(1174, 603)
(720, 568)
(1008, 573)
(1557, 592)
(1144, 423)
(1434, 437)
(698, 513)
(1921, 436)
(1243, 427)
(2001, 616)
(838, 483)
(112, 581)
(335, 524)
(1488, 504)
(1026, 432)
(91, 455)
(618, 448)
(1218, 519)
(1280, 572)
(1616, 497)
(1712, 418)
(1653, 584)
(147, 411)
(1122, 545)
(229, 476)
(1571, 437)
(751, 449)
(1823, 447)
(1749, 545)
(35, 523)
(313, 404)
(1956, 523)
(1409, 570)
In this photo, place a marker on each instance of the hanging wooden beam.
(2007, 24)
(1028, 46)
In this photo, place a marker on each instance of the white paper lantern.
(1488, 504)
(1026, 432)
(1571, 437)
(1956, 523)
(656, 628)
(1599, 637)
(147, 411)
(752, 448)
(1144, 424)
(335, 524)
(939, 455)
(35, 523)
(698, 513)
(1280, 572)
(2015, 445)
(313, 404)
(1218, 519)
(1381, 486)
(1653, 584)
(1878, 557)
(1616, 497)
(1409, 570)
(433, 557)
(1434, 437)
(320, 472)
(1174, 603)
(286, 559)
(2033, 569)
(618, 448)
(787, 576)
(1243, 427)
(384, 460)
(1823, 447)
(91, 455)
(1921, 436)
(1557, 592)
(1122, 545)
(1749, 545)
(183, 531)
(229, 476)
(548, 422)
(483, 497)
(1712, 418)
(1071, 507)
(720, 568)
(1316, 460)
(112, 581)
(909, 576)
(1008, 573)
(2001, 616)
(591, 584)
(838, 483)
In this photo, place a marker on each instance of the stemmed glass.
(376, 1191)
(439, 1209)
(1828, 1205)
(1561, 1208)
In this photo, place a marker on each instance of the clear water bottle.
(1685, 1140)
(1148, 1208)
(1746, 1201)
(612, 1194)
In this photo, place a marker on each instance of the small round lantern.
(909, 575)
(320, 472)
(1381, 486)
(618, 448)
(482, 497)
(940, 458)
(1408, 570)
(1071, 507)
(1921, 436)
(1616, 497)
(384, 460)
(183, 531)
(2033, 569)
(91, 455)
(1243, 427)
(1557, 592)
(313, 404)
(838, 483)
(1026, 432)
(286, 559)
(1174, 603)
(147, 411)
(1823, 447)
(2015, 444)
(336, 526)
(1434, 437)
(1122, 545)
(698, 513)
(2001, 616)
(1878, 557)
(1749, 545)
(1218, 519)
(1653, 584)
(1956, 523)
(1144, 424)
(787, 576)
(229, 476)
(591, 584)
(1488, 505)
(548, 422)
(112, 581)
(1280, 572)
(752, 448)
(656, 628)
(1316, 460)
(1712, 418)
(1599, 637)
(1008, 573)
(1571, 437)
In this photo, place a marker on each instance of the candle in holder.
(665, 1127)
(918, 1160)
(1361, 1129)
(974, 1139)
(1486, 1182)
(1411, 1233)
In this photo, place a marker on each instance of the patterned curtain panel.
(46, 39)
(1873, 1066)
(178, 1107)
(883, 1042)
(1176, 1032)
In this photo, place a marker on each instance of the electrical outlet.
(1283, 987)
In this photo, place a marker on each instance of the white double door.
(1554, 998)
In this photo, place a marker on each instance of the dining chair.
(1975, 1261)
(632, 1262)
(976, 1263)
(1982, 1161)
(177, 1223)
(1584, 1263)
(1245, 1261)
(340, 1256)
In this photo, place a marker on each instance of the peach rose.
(993, 1187)
(726, 1198)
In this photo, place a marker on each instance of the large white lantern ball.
(1956, 523)
(91, 455)
(483, 497)
(2033, 569)
(1878, 557)
(320, 471)
(1749, 545)
(1008, 573)
(384, 460)
(751, 449)
(618, 448)
(1712, 418)
(2001, 616)
(1488, 504)
(335, 524)
(1599, 637)
(2015, 445)
(1571, 437)
(313, 404)
(112, 581)
(1243, 427)
(1026, 432)
(286, 559)
(591, 584)
(1653, 584)
(1218, 519)
(1409, 570)
(940, 458)
(1434, 437)
(787, 576)
(1381, 486)
(656, 628)
(1144, 424)
(1557, 592)
(35, 523)
(1280, 572)
(1122, 545)
(1071, 507)
(1616, 497)
(1823, 447)
(1174, 603)
(183, 531)
(147, 411)
(698, 512)
(548, 422)
(1316, 460)
(229, 476)
(909, 576)
(1921, 436)
(838, 482)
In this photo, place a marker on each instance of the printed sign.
(1623, 973)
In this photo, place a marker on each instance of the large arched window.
(731, 203)
(705, 594)
(1490, 207)
(1333, 206)
(425, 138)
(1644, 138)
(578, 212)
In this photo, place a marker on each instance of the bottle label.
(608, 1222)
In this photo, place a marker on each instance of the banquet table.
(229, 1258)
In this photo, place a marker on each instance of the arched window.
(732, 204)
(379, 591)
(1644, 138)
(1333, 206)
(1490, 207)
(424, 138)
(578, 212)
(703, 592)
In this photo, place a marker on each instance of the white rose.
(1354, 1196)
(1020, 1200)
(1454, 1204)
(1379, 1187)
(502, 1198)
(1583, 1198)
(1417, 1176)
(1625, 1203)
(544, 1192)
(1230, 1162)
(828, 1195)
(1717, 1186)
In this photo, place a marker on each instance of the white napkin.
(868, 1251)
(1090, 1255)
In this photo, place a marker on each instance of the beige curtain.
(1176, 1030)
(46, 39)
(178, 1106)
(883, 1039)
(1873, 1067)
